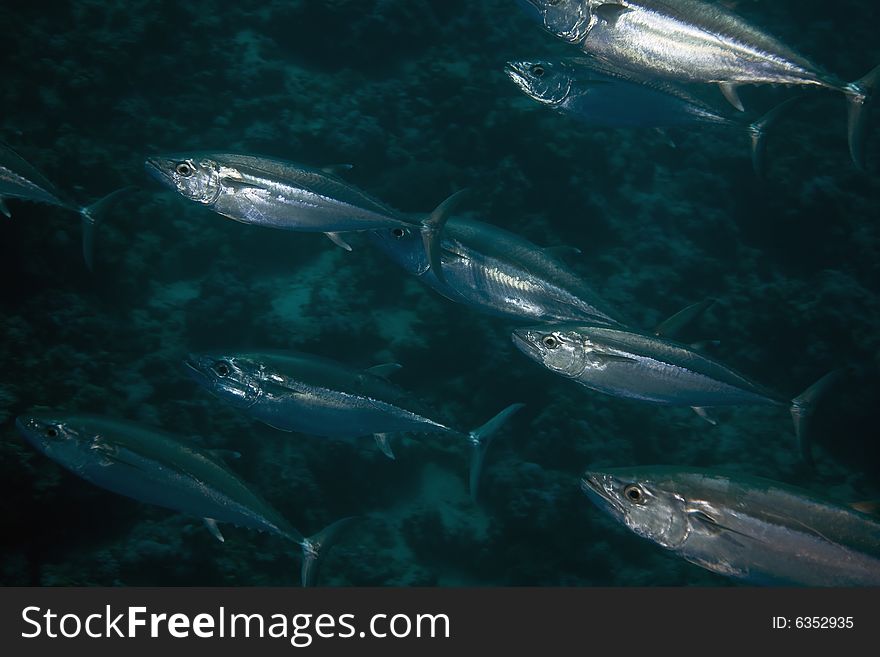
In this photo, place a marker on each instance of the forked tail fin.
(315, 547)
(802, 408)
(480, 438)
(758, 133)
(91, 215)
(432, 229)
(858, 96)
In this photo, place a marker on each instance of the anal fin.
(336, 238)
(383, 444)
(212, 527)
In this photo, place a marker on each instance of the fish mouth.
(516, 71)
(194, 368)
(593, 485)
(521, 340)
(156, 167)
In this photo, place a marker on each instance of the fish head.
(647, 506)
(235, 379)
(194, 177)
(404, 246)
(568, 19)
(543, 81)
(59, 438)
(558, 348)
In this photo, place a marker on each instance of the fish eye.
(634, 494)
(398, 232)
(184, 169)
(222, 369)
(51, 432)
(550, 341)
(537, 70)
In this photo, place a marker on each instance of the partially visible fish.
(602, 96)
(650, 368)
(308, 394)
(498, 272)
(756, 530)
(274, 193)
(697, 41)
(158, 468)
(19, 180)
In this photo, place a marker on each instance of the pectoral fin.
(336, 238)
(211, 524)
(610, 12)
(732, 95)
(701, 412)
(383, 444)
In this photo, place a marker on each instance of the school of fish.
(634, 64)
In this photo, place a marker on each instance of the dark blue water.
(413, 94)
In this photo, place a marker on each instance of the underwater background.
(413, 94)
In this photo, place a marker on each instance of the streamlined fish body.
(751, 529)
(273, 193)
(692, 40)
(650, 368)
(157, 468)
(497, 272)
(319, 396)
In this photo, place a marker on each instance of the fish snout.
(523, 340)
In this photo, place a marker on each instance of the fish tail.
(859, 96)
(91, 215)
(432, 228)
(480, 439)
(802, 408)
(758, 133)
(316, 546)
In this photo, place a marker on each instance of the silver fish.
(692, 40)
(279, 194)
(157, 468)
(308, 394)
(756, 530)
(498, 272)
(20, 180)
(650, 368)
(602, 96)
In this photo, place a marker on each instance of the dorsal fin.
(337, 169)
(871, 507)
(674, 325)
(384, 370)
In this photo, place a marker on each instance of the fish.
(21, 181)
(274, 193)
(650, 368)
(299, 392)
(162, 469)
(756, 530)
(602, 96)
(499, 273)
(697, 41)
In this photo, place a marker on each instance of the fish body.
(308, 394)
(696, 41)
(319, 396)
(650, 368)
(639, 366)
(153, 467)
(273, 193)
(499, 273)
(157, 468)
(602, 97)
(755, 530)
